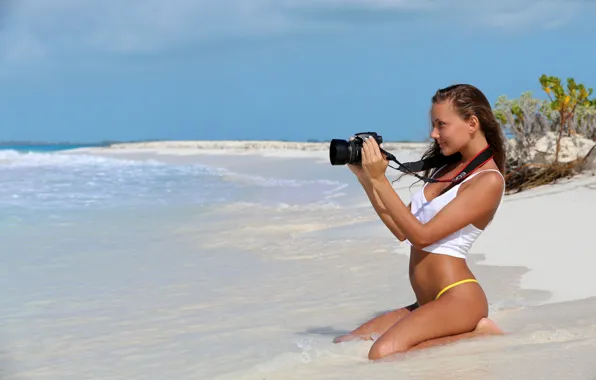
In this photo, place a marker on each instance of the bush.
(548, 139)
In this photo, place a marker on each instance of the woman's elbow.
(418, 246)
(419, 242)
(398, 234)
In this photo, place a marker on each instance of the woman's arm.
(381, 209)
(480, 197)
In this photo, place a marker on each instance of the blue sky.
(271, 69)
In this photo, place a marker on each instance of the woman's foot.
(487, 327)
(349, 337)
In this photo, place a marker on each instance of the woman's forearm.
(381, 210)
(399, 213)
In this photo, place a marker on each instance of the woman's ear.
(474, 124)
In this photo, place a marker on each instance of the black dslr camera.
(343, 152)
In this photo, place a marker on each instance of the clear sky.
(271, 69)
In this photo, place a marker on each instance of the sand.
(324, 271)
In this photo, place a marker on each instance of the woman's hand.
(374, 163)
(357, 170)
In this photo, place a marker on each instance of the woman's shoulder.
(486, 181)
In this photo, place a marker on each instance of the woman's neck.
(472, 149)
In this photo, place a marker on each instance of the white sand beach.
(282, 280)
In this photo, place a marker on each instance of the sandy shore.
(534, 261)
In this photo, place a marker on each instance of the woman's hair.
(469, 101)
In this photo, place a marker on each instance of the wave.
(16, 159)
(53, 179)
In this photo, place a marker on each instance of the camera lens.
(339, 152)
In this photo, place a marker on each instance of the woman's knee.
(382, 348)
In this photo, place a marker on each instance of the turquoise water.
(45, 148)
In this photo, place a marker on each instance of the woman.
(440, 228)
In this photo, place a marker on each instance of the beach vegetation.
(549, 138)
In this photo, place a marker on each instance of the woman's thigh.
(451, 314)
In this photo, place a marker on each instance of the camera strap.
(432, 163)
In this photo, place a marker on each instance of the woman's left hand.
(374, 162)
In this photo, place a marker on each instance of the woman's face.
(449, 130)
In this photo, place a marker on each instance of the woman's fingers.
(371, 149)
(376, 149)
(366, 153)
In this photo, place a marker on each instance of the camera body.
(342, 152)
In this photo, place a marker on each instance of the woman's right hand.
(357, 170)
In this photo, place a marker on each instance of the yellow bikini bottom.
(453, 285)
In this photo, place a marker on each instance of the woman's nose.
(434, 133)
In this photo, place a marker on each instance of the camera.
(343, 152)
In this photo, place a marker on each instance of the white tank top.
(458, 243)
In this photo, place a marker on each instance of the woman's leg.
(377, 325)
(441, 321)
(485, 327)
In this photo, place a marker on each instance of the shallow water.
(109, 262)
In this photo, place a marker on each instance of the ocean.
(26, 148)
(180, 265)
